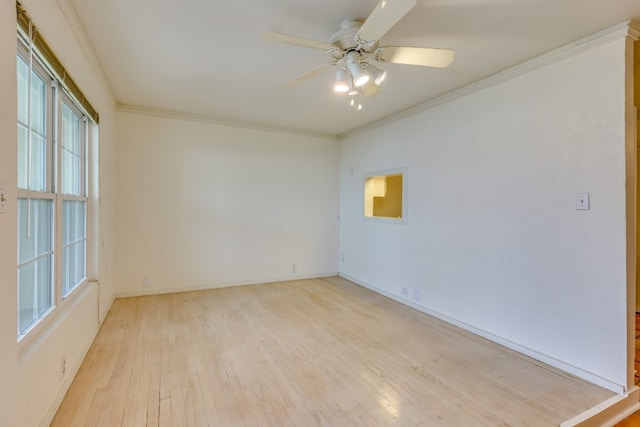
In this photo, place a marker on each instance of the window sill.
(47, 326)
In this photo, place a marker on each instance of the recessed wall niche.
(385, 196)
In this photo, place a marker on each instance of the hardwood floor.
(303, 353)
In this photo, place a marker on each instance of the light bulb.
(377, 74)
(361, 80)
(342, 81)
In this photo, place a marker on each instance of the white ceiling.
(207, 57)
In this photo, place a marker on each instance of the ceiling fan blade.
(297, 41)
(309, 75)
(423, 56)
(383, 17)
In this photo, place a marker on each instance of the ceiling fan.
(356, 45)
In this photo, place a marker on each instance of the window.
(73, 196)
(52, 191)
(385, 196)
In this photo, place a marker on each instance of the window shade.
(48, 56)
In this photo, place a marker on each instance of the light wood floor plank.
(311, 352)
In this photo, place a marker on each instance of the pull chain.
(29, 129)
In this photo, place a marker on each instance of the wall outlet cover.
(3, 198)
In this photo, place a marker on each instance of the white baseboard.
(103, 315)
(150, 291)
(549, 360)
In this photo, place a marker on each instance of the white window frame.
(56, 96)
(61, 197)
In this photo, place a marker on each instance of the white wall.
(30, 375)
(8, 250)
(494, 241)
(203, 205)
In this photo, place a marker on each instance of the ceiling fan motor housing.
(346, 40)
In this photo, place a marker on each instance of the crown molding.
(71, 16)
(634, 30)
(608, 35)
(126, 108)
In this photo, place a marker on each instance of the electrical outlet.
(405, 292)
(3, 197)
(341, 256)
(293, 268)
(145, 282)
(63, 367)
(416, 294)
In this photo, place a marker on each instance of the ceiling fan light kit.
(356, 45)
(358, 73)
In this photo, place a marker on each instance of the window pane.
(23, 156)
(23, 76)
(32, 161)
(38, 103)
(35, 239)
(26, 296)
(74, 244)
(26, 237)
(38, 163)
(71, 152)
(35, 257)
(38, 167)
(73, 268)
(44, 284)
(73, 225)
(71, 130)
(71, 177)
(35, 291)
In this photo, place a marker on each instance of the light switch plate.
(582, 202)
